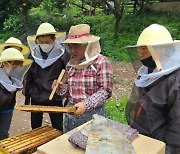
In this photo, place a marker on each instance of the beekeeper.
(154, 105)
(10, 59)
(50, 57)
(89, 80)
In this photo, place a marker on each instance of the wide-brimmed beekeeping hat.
(14, 42)
(46, 29)
(163, 49)
(80, 34)
(12, 54)
(154, 34)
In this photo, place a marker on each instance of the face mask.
(46, 47)
(149, 62)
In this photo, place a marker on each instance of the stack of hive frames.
(29, 141)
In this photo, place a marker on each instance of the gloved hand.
(27, 100)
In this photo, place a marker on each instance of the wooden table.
(60, 145)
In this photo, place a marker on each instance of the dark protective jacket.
(39, 81)
(7, 99)
(155, 110)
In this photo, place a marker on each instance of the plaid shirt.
(90, 86)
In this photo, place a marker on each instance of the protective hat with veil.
(12, 54)
(10, 78)
(46, 29)
(163, 50)
(14, 42)
(80, 34)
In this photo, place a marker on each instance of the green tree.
(116, 7)
(4, 9)
(51, 5)
(20, 8)
(88, 7)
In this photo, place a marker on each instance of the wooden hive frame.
(48, 109)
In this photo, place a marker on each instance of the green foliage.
(34, 11)
(101, 25)
(34, 21)
(12, 25)
(116, 109)
(48, 8)
(48, 5)
(70, 10)
(132, 25)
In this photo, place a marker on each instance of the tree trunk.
(117, 26)
(117, 10)
(67, 8)
(24, 15)
(142, 5)
(82, 5)
(118, 15)
(135, 5)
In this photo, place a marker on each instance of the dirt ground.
(124, 76)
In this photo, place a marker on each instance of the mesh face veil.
(166, 56)
(134, 57)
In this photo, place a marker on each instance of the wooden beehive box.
(29, 141)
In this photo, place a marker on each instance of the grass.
(116, 109)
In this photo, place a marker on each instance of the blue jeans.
(5, 122)
(71, 121)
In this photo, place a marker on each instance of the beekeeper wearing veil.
(50, 57)
(13, 42)
(10, 83)
(89, 80)
(154, 106)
